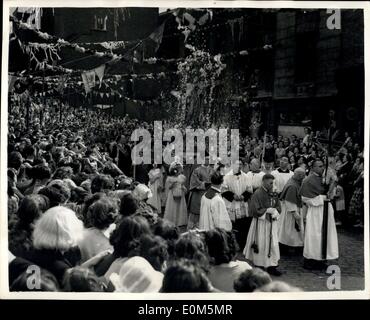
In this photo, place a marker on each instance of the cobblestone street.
(351, 263)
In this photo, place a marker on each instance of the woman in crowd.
(20, 235)
(280, 150)
(191, 246)
(156, 186)
(169, 232)
(99, 218)
(251, 279)
(125, 240)
(55, 242)
(222, 250)
(356, 205)
(46, 283)
(41, 175)
(142, 194)
(176, 210)
(79, 279)
(278, 286)
(154, 250)
(136, 275)
(185, 276)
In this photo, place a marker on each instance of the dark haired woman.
(222, 249)
(154, 250)
(251, 279)
(191, 246)
(57, 192)
(125, 240)
(169, 232)
(41, 175)
(95, 239)
(79, 279)
(46, 282)
(20, 236)
(185, 276)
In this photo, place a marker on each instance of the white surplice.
(213, 214)
(261, 233)
(237, 184)
(313, 231)
(288, 234)
(281, 178)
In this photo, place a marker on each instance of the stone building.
(318, 69)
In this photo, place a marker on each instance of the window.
(100, 23)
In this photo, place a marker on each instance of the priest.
(213, 212)
(237, 190)
(321, 240)
(255, 174)
(291, 221)
(200, 181)
(282, 175)
(262, 246)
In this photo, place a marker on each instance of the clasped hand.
(238, 198)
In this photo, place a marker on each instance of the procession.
(104, 193)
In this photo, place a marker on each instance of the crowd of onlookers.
(78, 210)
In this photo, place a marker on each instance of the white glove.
(275, 215)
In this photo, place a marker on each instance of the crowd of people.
(88, 219)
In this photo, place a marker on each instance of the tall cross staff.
(324, 243)
(263, 149)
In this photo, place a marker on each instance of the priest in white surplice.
(237, 190)
(313, 192)
(213, 212)
(282, 175)
(255, 174)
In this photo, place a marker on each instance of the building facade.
(318, 69)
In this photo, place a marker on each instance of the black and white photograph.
(167, 148)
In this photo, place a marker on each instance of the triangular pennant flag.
(99, 71)
(191, 21)
(203, 19)
(157, 36)
(139, 54)
(101, 94)
(186, 33)
(11, 80)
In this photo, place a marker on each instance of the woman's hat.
(137, 275)
(175, 165)
(142, 192)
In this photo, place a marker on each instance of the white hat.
(137, 275)
(142, 192)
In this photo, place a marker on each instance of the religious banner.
(88, 78)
